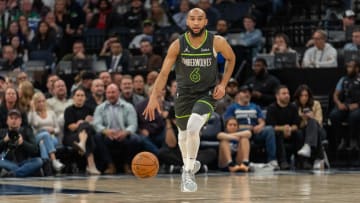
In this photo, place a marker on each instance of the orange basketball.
(145, 165)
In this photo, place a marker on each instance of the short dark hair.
(261, 60)
(279, 88)
(249, 16)
(285, 37)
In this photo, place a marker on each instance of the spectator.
(136, 15)
(139, 85)
(46, 128)
(4, 15)
(222, 30)
(78, 131)
(12, 61)
(105, 77)
(127, 91)
(43, 40)
(322, 54)
(263, 84)
(154, 61)
(353, 46)
(104, 18)
(116, 120)
(212, 14)
(158, 15)
(11, 101)
(346, 98)
(55, 29)
(26, 9)
(150, 79)
(13, 30)
(78, 52)
(180, 17)
(250, 117)
(85, 83)
(147, 33)
(21, 77)
(231, 91)
(97, 94)
(50, 85)
(171, 93)
(116, 78)
(239, 138)
(281, 44)
(59, 102)
(311, 116)
(3, 87)
(118, 59)
(26, 92)
(252, 37)
(27, 34)
(19, 148)
(284, 117)
(20, 49)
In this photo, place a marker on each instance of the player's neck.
(196, 41)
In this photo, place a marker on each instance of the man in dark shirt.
(12, 62)
(18, 148)
(263, 84)
(97, 94)
(284, 117)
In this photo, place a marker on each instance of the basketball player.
(193, 54)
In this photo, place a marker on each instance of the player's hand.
(219, 92)
(149, 112)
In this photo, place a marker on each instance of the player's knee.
(182, 134)
(195, 124)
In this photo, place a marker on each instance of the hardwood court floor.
(330, 186)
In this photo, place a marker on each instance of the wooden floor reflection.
(334, 186)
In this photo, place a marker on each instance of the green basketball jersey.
(196, 68)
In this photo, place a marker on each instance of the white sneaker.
(274, 164)
(319, 164)
(92, 171)
(57, 165)
(188, 183)
(197, 166)
(305, 151)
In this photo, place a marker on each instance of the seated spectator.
(103, 18)
(235, 137)
(263, 84)
(139, 85)
(27, 33)
(12, 30)
(118, 59)
(21, 77)
(3, 87)
(4, 15)
(11, 101)
(85, 82)
(78, 52)
(46, 128)
(212, 14)
(19, 148)
(26, 92)
(150, 79)
(281, 44)
(355, 44)
(147, 33)
(127, 91)
(322, 54)
(158, 15)
(50, 85)
(171, 92)
(116, 78)
(55, 29)
(97, 94)
(231, 91)
(78, 131)
(180, 17)
(311, 116)
(136, 15)
(284, 118)
(252, 37)
(26, 9)
(12, 61)
(170, 154)
(105, 77)
(116, 120)
(346, 98)
(250, 117)
(154, 61)
(20, 49)
(43, 40)
(59, 102)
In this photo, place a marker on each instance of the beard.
(193, 34)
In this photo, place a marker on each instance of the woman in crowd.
(25, 30)
(311, 123)
(21, 51)
(26, 92)
(230, 137)
(44, 40)
(10, 101)
(46, 127)
(13, 30)
(78, 131)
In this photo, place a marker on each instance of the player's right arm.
(169, 61)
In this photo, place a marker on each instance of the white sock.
(193, 128)
(182, 145)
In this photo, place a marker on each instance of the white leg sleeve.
(193, 128)
(182, 137)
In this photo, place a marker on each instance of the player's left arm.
(222, 46)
